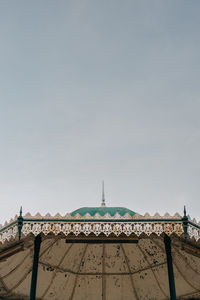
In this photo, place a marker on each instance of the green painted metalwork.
(37, 244)
(193, 224)
(172, 288)
(8, 226)
(106, 220)
(20, 223)
(185, 223)
(102, 211)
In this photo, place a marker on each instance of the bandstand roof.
(103, 210)
(115, 255)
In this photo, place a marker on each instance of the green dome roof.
(102, 211)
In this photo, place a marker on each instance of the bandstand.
(100, 253)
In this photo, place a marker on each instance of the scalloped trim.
(97, 216)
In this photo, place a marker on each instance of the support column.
(20, 223)
(37, 243)
(185, 224)
(172, 288)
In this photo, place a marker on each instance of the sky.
(99, 90)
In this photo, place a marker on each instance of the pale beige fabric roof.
(101, 271)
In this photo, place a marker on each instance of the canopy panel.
(111, 271)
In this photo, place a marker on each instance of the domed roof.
(102, 211)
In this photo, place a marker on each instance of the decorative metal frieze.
(106, 227)
(8, 234)
(193, 232)
(97, 228)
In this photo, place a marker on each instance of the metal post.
(37, 243)
(185, 224)
(20, 223)
(172, 288)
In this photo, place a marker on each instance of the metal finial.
(185, 223)
(184, 211)
(20, 212)
(103, 203)
(20, 223)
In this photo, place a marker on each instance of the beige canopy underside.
(115, 271)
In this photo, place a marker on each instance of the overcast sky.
(93, 90)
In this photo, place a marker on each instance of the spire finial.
(20, 223)
(185, 223)
(103, 203)
(20, 212)
(184, 211)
